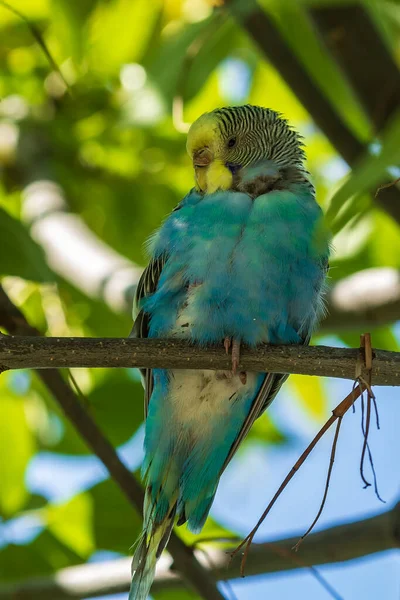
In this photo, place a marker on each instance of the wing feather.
(267, 392)
(270, 387)
(147, 285)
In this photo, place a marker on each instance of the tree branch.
(338, 543)
(14, 321)
(47, 353)
(263, 31)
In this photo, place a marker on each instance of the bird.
(242, 260)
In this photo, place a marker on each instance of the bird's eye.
(231, 142)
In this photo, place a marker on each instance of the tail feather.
(154, 538)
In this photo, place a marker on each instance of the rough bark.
(48, 353)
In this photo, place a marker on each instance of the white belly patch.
(201, 396)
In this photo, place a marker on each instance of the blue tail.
(154, 538)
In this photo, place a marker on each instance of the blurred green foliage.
(112, 145)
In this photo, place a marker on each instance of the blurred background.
(92, 158)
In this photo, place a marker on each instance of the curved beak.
(202, 157)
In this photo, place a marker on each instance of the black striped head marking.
(243, 135)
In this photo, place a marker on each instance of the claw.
(227, 344)
(235, 359)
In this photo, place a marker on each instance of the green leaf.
(112, 42)
(16, 449)
(116, 404)
(384, 245)
(116, 523)
(311, 393)
(165, 63)
(212, 533)
(216, 47)
(353, 237)
(281, 97)
(182, 64)
(265, 430)
(382, 338)
(20, 255)
(35, 502)
(69, 20)
(72, 523)
(296, 27)
(369, 173)
(356, 207)
(44, 556)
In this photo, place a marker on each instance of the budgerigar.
(241, 260)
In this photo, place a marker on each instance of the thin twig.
(339, 411)
(387, 185)
(325, 584)
(38, 37)
(371, 462)
(366, 346)
(365, 432)
(378, 425)
(295, 558)
(328, 479)
(78, 390)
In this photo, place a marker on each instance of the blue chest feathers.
(249, 269)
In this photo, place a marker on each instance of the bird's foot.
(227, 344)
(235, 357)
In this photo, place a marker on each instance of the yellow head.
(224, 141)
(205, 146)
